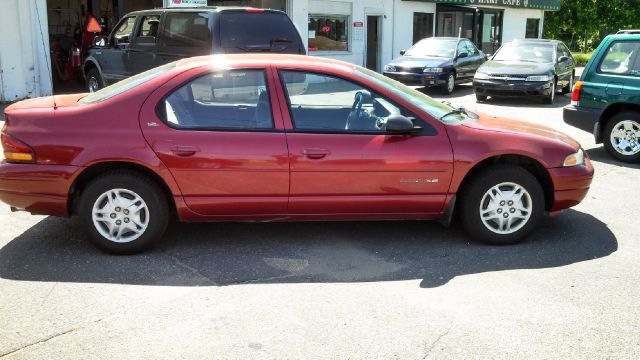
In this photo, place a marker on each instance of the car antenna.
(459, 32)
(44, 48)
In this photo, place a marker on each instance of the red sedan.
(278, 138)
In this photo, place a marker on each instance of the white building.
(365, 32)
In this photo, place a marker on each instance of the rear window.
(125, 85)
(258, 31)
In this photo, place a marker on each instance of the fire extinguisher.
(76, 60)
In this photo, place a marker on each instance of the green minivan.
(606, 100)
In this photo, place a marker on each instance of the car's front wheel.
(567, 89)
(94, 81)
(481, 98)
(622, 136)
(502, 204)
(123, 212)
(552, 95)
(450, 85)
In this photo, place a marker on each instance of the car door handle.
(315, 153)
(184, 150)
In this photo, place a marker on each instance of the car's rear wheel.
(552, 96)
(450, 85)
(123, 212)
(622, 136)
(94, 81)
(502, 204)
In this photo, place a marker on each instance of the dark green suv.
(606, 100)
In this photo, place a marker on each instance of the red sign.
(358, 24)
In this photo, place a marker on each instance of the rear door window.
(261, 31)
(187, 31)
(234, 99)
(621, 58)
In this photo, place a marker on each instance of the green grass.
(582, 58)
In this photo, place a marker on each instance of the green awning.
(525, 4)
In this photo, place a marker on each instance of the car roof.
(211, 9)
(443, 38)
(260, 60)
(537, 41)
(622, 36)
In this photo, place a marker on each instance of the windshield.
(433, 47)
(125, 85)
(429, 105)
(525, 52)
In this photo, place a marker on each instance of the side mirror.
(402, 52)
(398, 124)
(100, 41)
(463, 55)
(563, 58)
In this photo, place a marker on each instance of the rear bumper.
(570, 184)
(424, 79)
(39, 189)
(583, 118)
(511, 89)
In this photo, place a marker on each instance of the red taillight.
(577, 91)
(254, 10)
(15, 150)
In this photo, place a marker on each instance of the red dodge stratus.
(252, 137)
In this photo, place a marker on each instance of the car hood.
(521, 128)
(411, 61)
(515, 68)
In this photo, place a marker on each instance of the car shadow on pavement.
(600, 154)
(218, 254)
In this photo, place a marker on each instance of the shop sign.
(529, 4)
(184, 3)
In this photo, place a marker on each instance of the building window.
(422, 26)
(328, 33)
(533, 28)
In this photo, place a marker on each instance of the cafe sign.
(525, 4)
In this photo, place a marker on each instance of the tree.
(582, 24)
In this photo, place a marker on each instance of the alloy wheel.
(93, 85)
(506, 208)
(625, 137)
(120, 215)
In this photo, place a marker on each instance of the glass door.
(491, 30)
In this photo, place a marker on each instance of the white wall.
(299, 11)
(403, 31)
(24, 50)
(515, 22)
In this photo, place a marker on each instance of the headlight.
(433, 70)
(574, 159)
(539, 78)
(481, 76)
(389, 68)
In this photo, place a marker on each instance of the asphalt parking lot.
(410, 290)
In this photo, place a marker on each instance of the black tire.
(93, 74)
(633, 120)
(481, 98)
(156, 213)
(567, 89)
(473, 196)
(551, 97)
(446, 88)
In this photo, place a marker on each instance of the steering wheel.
(356, 109)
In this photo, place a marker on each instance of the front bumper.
(583, 118)
(37, 188)
(422, 79)
(503, 88)
(570, 184)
